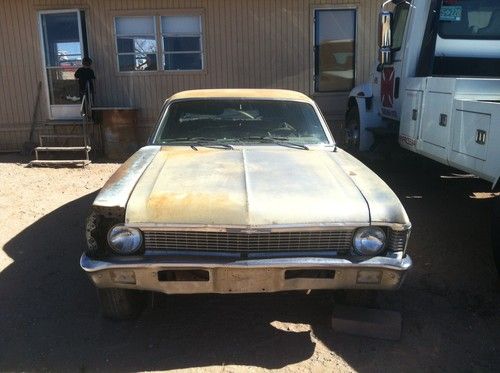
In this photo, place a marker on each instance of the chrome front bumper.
(174, 275)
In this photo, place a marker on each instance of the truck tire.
(121, 304)
(495, 232)
(352, 130)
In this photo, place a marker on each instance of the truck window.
(398, 25)
(469, 19)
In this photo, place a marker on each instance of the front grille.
(398, 240)
(339, 241)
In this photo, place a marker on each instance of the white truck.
(436, 88)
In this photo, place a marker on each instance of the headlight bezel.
(368, 252)
(121, 229)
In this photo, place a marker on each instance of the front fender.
(363, 90)
(113, 197)
(368, 114)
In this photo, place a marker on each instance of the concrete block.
(367, 322)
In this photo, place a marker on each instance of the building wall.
(248, 43)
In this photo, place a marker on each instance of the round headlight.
(369, 241)
(124, 240)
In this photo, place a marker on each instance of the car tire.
(121, 304)
(495, 232)
(352, 130)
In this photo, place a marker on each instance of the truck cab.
(436, 88)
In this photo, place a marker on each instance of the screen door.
(64, 46)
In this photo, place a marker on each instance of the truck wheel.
(352, 130)
(495, 232)
(121, 304)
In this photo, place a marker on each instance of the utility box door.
(470, 133)
(476, 137)
(410, 116)
(436, 119)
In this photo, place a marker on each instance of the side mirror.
(385, 37)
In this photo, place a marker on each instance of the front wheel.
(352, 131)
(121, 304)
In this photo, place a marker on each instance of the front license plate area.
(246, 280)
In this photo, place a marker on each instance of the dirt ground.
(49, 316)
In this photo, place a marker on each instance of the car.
(242, 191)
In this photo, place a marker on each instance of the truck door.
(390, 76)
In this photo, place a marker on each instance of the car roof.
(261, 94)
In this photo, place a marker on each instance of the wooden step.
(69, 122)
(62, 148)
(60, 163)
(62, 136)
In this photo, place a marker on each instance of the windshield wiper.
(282, 141)
(207, 142)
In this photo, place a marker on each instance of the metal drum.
(119, 131)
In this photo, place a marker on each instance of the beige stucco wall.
(248, 43)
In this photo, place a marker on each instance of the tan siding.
(247, 43)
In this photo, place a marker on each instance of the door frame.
(44, 61)
(319, 7)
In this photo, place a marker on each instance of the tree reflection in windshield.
(244, 121)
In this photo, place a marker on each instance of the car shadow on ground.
(50, 317)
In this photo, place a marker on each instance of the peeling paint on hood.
(251, 186)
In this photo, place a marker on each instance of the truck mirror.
(385, 42)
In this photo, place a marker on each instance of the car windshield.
(240, 121)
(470, 19)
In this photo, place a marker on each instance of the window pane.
(180, 25)
(137, 62)
(399, 24)
(181, 44)
(224, 119)
(142, 45)
(61, 39)
(135, 26)
(63, 89)
(470, 19)
(334, 42)
(183, 61)
(126, 62)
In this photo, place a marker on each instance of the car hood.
(246, 186)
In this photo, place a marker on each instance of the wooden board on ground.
(367, 322)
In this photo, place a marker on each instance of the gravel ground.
(49, 314)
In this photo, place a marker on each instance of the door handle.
(396, 88)
(443, 120)
(481, 137)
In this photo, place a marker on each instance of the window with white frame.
(136, 43)
(182, 44)
(170, 43)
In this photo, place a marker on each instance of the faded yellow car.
(242, 191)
